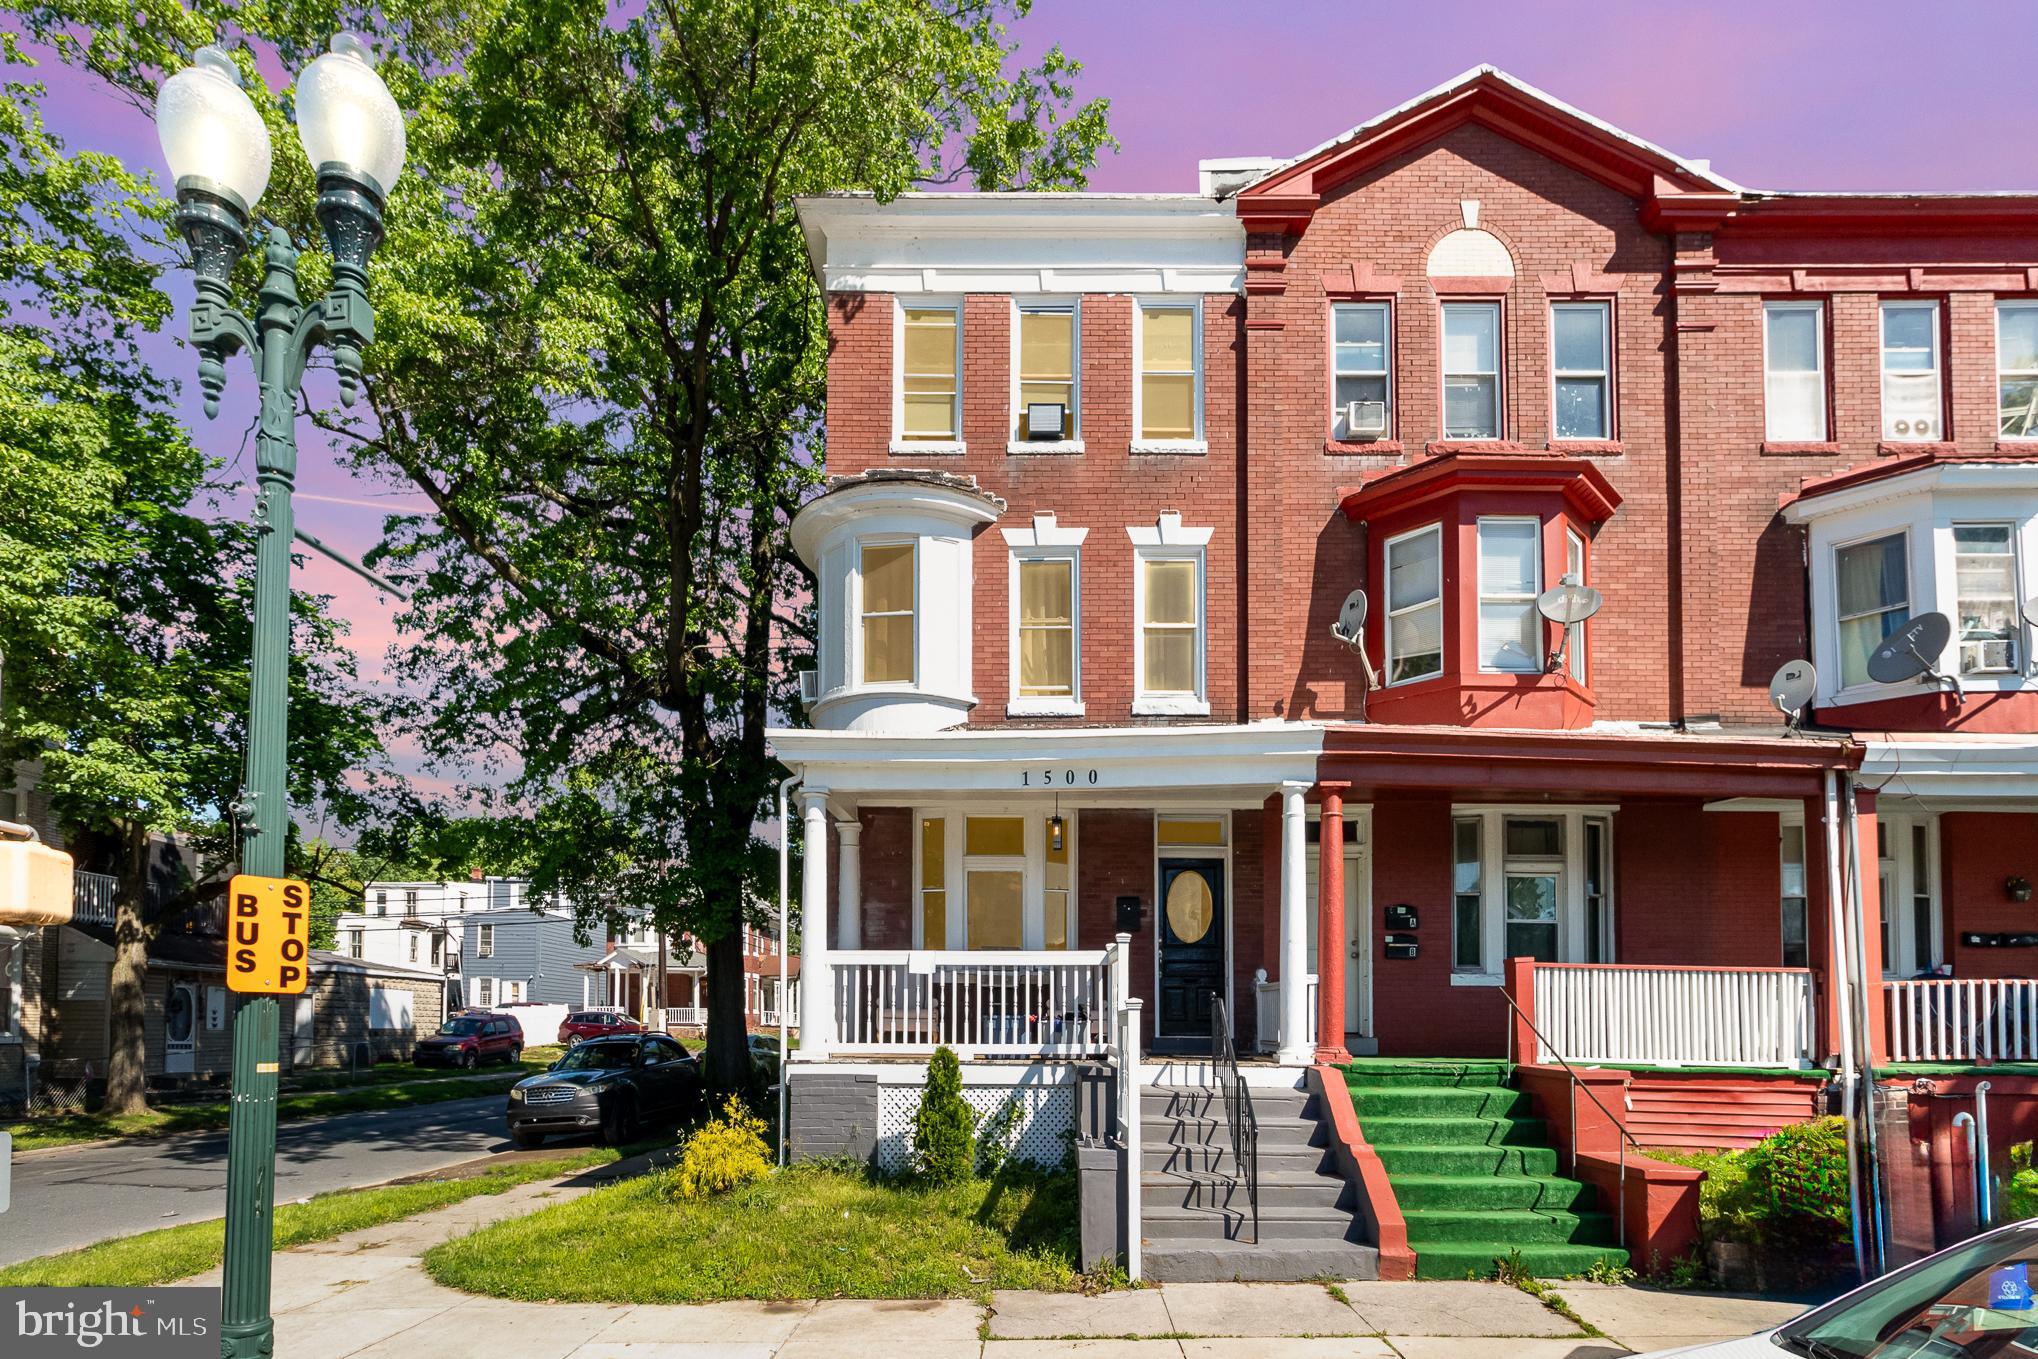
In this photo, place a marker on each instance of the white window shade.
(1872, 591)
(1794, 381)
(1510, 568)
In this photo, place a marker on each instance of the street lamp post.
(218, 149)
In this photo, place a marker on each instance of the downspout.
(1865, 1053)
(1836, 912)
(784, 997)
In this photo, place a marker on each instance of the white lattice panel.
(1047, 1114)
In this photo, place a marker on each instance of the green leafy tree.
(944, 1126)
(124, 592)
(601, 355)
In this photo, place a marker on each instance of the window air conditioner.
(810, 687)
(1365, 419)
(1046, 421)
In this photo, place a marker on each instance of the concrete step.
(1235, 1224)
(1280, 1189)
(1195, 1260)
(1205, 1131)
(1189, 1156)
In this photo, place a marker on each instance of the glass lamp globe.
(345, 115)
(210, 130)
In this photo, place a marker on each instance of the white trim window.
(353, 943)
(1012, 884)
(1906, 858)
(1415, 605)
(1047, 347)
(1046, 623)
(1167, 386)
(484, 991)
(1169, 618)
(886, 620)
(1510, 578)
(1795, 900)
(1362, 360)
(484, 941)
(1471, 368)
(1581, 354)
(1911, 410)
(1872, 598)
(1530, 882)
(927, 390)
(1986, 598)
(1574, 635)
(1794, 372)
(2017, 370)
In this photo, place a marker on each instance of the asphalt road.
(73, 1197)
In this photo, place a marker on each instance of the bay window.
(930, 374)
(1010, 873)
(1510, 578)
(1872, 598)
(1910, 371)
(1167, 395)
(1794, 371)
(1574, 635)
(1047, 366)
(1986, 600)
(1360, 365)
(1415, 605)
(1581, 363)
(886, 613)
(1471, 352)
(1530, 883)
(2017, 370)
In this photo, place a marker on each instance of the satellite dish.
(1792, 690)
(1913, 651)
(1350, 629)
(1566, 604)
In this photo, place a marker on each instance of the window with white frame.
(1010, 875)
(1910, 371)
(1796, 915)
(1471, 351)
(1985, 571)
(1582, 368)
(1415, 605)
(885, 612)
(930, 373)
(1872, 595)
(353, 943)
(1907, 868)
(1530, 883)
(484, 991)
(1168, 393)
(1046, 623)
(382, 903)
(1574, 635)
(1510, 578)
(413, 947)
(1361, 358)
(1170, 624)
(484, 942)
(2017, 370)
(1794, 371)
(1048, 366)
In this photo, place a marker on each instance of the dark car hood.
(572, 1077)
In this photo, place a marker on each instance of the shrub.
(1798, 1177)
(725, 1153)
(944, 1126)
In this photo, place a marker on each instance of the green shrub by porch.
(944, 1127)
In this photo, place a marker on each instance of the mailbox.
(1402, 946)
(1129, 914)
(1403, 918)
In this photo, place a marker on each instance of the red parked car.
(470, 1038)
(582, 1025)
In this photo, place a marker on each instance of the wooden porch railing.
(980, 1003)
(1962, 1019)
(1676, 1016)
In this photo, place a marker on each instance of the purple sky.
(1870, 95)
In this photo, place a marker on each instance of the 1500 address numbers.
(1051, 777)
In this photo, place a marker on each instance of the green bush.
(725, 1153)
(1797, 1176)
(944, 1127)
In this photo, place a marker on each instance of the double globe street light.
(218, 150)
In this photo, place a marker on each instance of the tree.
(600, 355)
(123, 599)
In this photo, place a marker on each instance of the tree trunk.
(126, 992)
(728, 1034)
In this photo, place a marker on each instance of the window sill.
(1189, 446)
(1897, 448)
(1605, 448)
(1438, 447)
(1352, 447)
(1169, 705)
(1021, 448)
(1477, 979)
(2022, 447)
(1784, 448)
(940, 448)
(1044, 707)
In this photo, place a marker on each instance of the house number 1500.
(1049, 777)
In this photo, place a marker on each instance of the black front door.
(1192, 933)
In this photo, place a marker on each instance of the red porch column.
(1871, 924)
(1521, 986)
(1330, 928)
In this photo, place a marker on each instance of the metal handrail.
(1620, 1215)
(1238, 1106)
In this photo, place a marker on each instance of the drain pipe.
(1839, 973)
(1850, 826)
(784, 939)
(1984, 1187)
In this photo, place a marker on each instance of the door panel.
(1191, 926)
(1358, 936)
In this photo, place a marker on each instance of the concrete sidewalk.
(365, 1295)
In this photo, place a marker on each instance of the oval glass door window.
(1189, 907)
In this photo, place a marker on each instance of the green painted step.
(1476, 1101)
(1462, 1160)
(1549, 1193)
(1385, 1071)
(1455, 1132)
(1463, 1259)
(1442, 1226)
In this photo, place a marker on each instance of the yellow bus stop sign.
(268, 935)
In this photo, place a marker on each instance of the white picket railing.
(981, 1004)
(1268, 1008)
(687, 1015)
(1676, 1016)
(1960, 1019)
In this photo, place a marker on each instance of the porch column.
(1330, 928)
(817, 1008)
(1294, 961)
(1874, 995)
(1825, 918)
(849, 885)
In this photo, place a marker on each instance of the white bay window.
(1986, 620)
(1872, 587)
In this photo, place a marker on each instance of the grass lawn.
(808, 1232)
(179, 1252)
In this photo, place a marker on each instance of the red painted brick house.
(1105, 469)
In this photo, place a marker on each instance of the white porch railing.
(1676, 1016)
(1960, 1019)
(1268, 1003)
(981, 1004)
(686, 1014)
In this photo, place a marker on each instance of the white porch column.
(817, 1007)
(849, 885)
(1296, 1049)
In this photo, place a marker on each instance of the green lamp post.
(218, 150)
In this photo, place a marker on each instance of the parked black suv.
(610, 1084)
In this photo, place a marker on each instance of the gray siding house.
(520, 956)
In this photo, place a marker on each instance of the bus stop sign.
(269, 935)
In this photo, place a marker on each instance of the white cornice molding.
(1044, 532)
(1975, 770)
(1945, 478)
